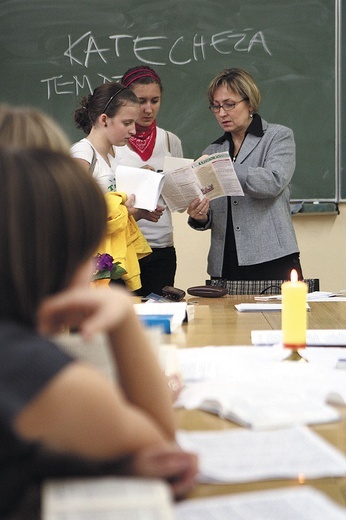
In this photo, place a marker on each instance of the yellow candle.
(294, 315)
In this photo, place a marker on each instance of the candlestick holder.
(295, 356)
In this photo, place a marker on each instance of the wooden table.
(217, 322)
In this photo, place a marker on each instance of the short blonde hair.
(27, 127)
(241, 82)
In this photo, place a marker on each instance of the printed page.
(238, 455)
(297, 503)
(217, 177)
(208, 180)
(198, 363)
(211, 177)
(180, 188)
(145, 184)
(106, 498)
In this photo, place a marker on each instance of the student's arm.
(141, 377)
(81, 413)
(111, 311)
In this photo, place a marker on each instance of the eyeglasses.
(228, 106)
(111, 99)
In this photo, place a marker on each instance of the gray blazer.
(261, 219)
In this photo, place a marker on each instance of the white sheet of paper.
(294, 503)
(145, 184)
(315, 296)
(323, 337)
(261, 307)
(240, 455)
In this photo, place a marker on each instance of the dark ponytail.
(107, 98)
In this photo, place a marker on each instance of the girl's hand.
(129, 204)
(179, 468)
(138, 213)
(148, 167)
(152, 216)
(89, 310)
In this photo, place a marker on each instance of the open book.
(255, 408)
(257, 389)
(145, 184)
(106, 498)
(95, 351)
(211, 177)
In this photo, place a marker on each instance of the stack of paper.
(145, 184)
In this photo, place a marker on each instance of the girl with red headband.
(148, 148)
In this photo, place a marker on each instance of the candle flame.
(301, 478)
(294, 276)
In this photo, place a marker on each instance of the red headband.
(144, 73)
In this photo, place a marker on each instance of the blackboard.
(53, 52)
(342, 107)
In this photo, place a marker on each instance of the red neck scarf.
(143, 141)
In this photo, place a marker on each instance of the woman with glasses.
(252, 237)
(147, 149)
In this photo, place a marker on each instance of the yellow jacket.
(124, 240)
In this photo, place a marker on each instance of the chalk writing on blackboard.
(151, 50)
